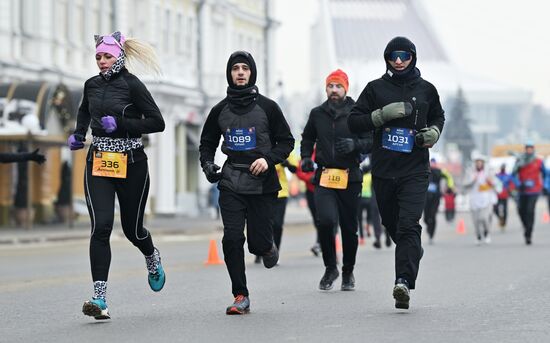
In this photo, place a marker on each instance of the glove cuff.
(376, 117)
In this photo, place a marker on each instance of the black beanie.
(241, 57)
(400, 44)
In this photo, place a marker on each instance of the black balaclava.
(241, 57)
(242, 98)
(401, 44)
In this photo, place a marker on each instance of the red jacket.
(530, 177)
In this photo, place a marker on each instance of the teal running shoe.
(96, 308)
(158, 278)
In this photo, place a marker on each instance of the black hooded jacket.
(323, 128)
(398, 86)
(244, 108)
(427, 111)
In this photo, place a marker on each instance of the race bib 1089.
(241, 139)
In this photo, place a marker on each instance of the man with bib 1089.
(406, 116)
(256, 138)
(337, 178)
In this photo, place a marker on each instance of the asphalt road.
(465, 293)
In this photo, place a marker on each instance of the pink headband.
(110, 45)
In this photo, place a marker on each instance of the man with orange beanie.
(337, 177)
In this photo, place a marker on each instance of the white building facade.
(52, 40)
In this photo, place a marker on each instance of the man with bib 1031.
(406, 116)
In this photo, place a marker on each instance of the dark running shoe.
(316, 250)
(271, 258)
(388, 241)
(258, 259)
(401, 294)
(96, 308)
(377, 244)
(348, 281)
(326, 283)
(241, 305)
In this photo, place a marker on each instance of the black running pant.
(338, 206)
(132, 195)
(313, 210)
(430, 212)
(256, 211)
(526, 209)
(401, 202)
(364, 206)
(279, 210)
(375, 218)
(501, 210)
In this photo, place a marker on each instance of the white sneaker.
(487, 239)
(478, 241)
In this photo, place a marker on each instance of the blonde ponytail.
(141, 56)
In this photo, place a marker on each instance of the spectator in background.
(481, 200)
(501, 207)
(529, 173)
(6, 157)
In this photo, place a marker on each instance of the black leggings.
(100, 197)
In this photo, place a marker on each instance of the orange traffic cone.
(338, 243)
(213, 257)
(460, 227)
(546, 218)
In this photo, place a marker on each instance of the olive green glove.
(391, 111)
(427, 137)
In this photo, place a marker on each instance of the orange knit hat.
(338, 76)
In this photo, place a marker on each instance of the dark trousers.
(526, 209)
(132, 195)
(430, 212)
(364, 206)
(401, 201)
(501, 210)
(450, 214)
(338, 206)
(279, 210)
(257, 212)
(375, 218)
(310, 198)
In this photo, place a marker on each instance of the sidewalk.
(160, 225)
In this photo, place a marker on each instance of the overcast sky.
(506, 41)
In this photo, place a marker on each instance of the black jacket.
(323, 128)
(124, 97)
(274, 142)
(427, 111)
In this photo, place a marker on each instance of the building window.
(166, 31)
(178, 34)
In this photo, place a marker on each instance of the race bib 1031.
(398, 139)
